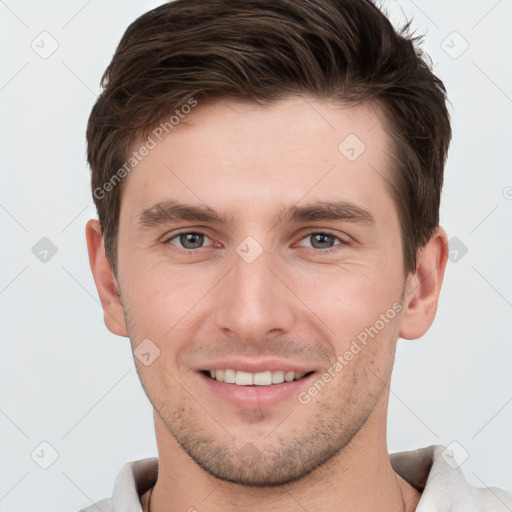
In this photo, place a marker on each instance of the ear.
(423, 287)
(106, 283)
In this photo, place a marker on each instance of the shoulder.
(101, 506)
(434, 471)
(134, 479)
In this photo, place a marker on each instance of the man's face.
(262, 291)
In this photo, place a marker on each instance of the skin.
(294, 302)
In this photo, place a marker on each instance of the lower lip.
(256, 397)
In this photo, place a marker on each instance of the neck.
(360, 477)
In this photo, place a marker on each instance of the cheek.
(165, 305)
(350, 299)
(160, 296)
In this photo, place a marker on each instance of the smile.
(266, 378)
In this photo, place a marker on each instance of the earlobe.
(424, 286)
(106, 283)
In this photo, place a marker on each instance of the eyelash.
(306, 235)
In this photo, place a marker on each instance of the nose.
(253, 300)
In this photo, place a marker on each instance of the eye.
(321, 240)
(188, 240)
(192, 240)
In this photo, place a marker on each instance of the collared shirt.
(432, 471)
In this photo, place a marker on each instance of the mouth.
(264, 384)
(259, 379)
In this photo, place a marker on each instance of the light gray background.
(67, 381)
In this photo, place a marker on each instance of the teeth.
(262, 379)
(266, 378)
(229, 376)
(244, 379)
(277, 377)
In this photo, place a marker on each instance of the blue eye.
(189, 240)
(194, 241)
(322, 240)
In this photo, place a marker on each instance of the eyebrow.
(166, 212)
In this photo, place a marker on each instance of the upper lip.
(253, 366)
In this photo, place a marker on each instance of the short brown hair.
(261, 51)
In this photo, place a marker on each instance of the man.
(267, 175)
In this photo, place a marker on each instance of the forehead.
(239, 156)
